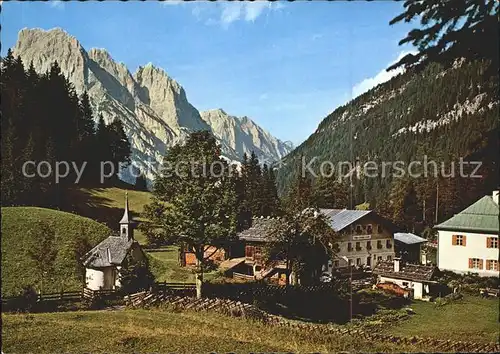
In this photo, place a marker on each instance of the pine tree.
(450, 30)
(119, 145)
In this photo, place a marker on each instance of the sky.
(286, 65)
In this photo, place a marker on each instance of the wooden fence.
(240, 309)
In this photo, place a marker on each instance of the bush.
(135, 276)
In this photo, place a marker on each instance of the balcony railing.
(358, 248)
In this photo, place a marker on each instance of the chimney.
(397, 262)
(495, 197)
(424, 258)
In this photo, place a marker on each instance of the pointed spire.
(125, 219)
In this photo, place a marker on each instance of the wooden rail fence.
(239, 309)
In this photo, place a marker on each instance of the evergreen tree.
(119, 145)
(195, 209)
(450, 30)
(140, 182)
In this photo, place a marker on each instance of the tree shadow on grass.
(83, 202)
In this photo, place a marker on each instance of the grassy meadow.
(470, 319)
(165, 331)
(19, 232)
(106, 205)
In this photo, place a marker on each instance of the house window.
(492, 264)
(379, 258)
(349, 246)
(350, 261)
(379, 229)
(368, 245)
(358, 261)
(359, 229)
(369, 229)
(358, 246)
(475, 263)
(388, 244)
(379, 244)
(405, 283)
(249, 251)
(458, 240)
(492, 242)
(389, 258)
(368, 261)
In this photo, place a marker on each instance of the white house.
(365, 238)
(413, 277)
(104, 261)
(468, 242)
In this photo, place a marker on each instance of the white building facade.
(365, 238)
(104, 262)
(468, 242)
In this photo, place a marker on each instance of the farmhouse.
(104, 261)
(366, 238)
(187, 258)
(468, 242)
(408, 246)
(414, 278)
(251, 264)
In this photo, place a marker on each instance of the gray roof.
(408, 238)
(111, 251)
(341, 218)
(259, 231)
(415, 272)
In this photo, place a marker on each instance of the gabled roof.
(414, 272)
(408, 238)
(482, 216)
(259, 231)
(341, 218)
(111, 251)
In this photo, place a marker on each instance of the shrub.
(27, 299)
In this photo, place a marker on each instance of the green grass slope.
(105, 204)
(472, 319)
(164, 331)
(18, 229)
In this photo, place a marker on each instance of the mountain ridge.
(152, 106)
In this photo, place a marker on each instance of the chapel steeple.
(126, 229)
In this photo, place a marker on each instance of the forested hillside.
(45, 126)
(443, 114)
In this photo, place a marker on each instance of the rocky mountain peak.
(153, 107)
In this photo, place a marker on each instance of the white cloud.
(172, 2)
(263, 97)
(226, 12)
(56, 4)
(254, 9)
(382, 76)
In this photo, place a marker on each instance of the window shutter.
(488, 242)
(464, 239)
(454, 240)
(470, 263)
(487, 264)
(480, 264)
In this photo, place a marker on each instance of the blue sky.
(286, 65)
